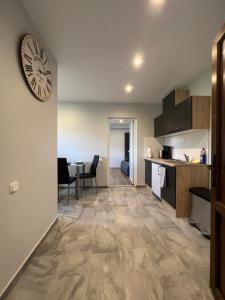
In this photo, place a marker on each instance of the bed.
(125, 167)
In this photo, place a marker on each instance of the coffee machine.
(167, 152)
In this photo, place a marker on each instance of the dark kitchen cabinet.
(148, 173)
(174, 98)
(192, 113)
(183, 116)
(169, 122)
(159, 125)
(168, 192)
(169, 101)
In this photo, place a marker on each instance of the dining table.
(79, 165)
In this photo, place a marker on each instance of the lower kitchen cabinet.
(180, 177)
(148, 173)
(168, 192)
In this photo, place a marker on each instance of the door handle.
(212, 168)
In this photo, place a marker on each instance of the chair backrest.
(63, 171)
(94, 164)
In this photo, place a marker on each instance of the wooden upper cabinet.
(201, 112)
(181, 95)
(190, 114)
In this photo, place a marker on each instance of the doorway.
(121, 152)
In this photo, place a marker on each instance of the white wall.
(28, 134)
(116, 147)
(83, 131)
(201, 86)
(188, 143)
(192, 143)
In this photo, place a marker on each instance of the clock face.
(36, 67)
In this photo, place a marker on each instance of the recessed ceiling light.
(121, 121)
(138, 61)
(157, 3)
(128, 88)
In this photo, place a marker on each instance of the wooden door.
(126, 145)
(218, 168)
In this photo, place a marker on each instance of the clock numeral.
(33, 83)
(39, 90)
(28, 58)
(45, 62)
(32, 52)
(49, 81)
(41, 53)
(45, 92)
(48, 72)
(28, 68)
(48, 89)
(35, 46)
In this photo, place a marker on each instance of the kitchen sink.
(176, 160)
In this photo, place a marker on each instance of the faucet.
(186, 157)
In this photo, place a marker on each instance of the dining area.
(73, 174)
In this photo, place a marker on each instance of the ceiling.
(94, 42)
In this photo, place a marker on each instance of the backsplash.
(189, 143)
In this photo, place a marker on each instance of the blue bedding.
(125, 167)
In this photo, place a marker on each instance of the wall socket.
(13, 187)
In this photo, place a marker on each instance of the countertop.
(174, 163)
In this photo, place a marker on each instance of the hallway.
(119, 244)
(117, 177)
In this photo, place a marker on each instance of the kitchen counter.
(174, 163)
(179, 179)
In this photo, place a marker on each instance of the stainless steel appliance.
(200, 209)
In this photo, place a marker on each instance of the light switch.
(13, 187)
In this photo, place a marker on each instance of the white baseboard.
(26, 260)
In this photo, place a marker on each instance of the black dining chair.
(92, 173)
(63, 175)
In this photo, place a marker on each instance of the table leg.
(77, 184)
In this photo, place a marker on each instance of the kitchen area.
(180, 174)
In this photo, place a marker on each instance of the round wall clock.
(36, 67)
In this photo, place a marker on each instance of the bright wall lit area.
(83, 131)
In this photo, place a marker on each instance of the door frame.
(131, 162)
(217, 208)
(135, 146)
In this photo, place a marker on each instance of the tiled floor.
(117, 177)
(120, 244)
